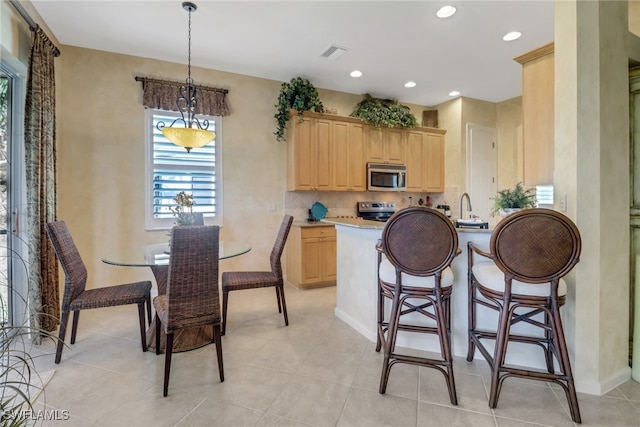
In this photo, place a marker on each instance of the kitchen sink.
(471, 222)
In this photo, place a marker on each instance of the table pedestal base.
(184, 339)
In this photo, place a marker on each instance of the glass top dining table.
(156, 257)
(158, 254)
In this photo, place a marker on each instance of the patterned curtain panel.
(40, 159)
(162, 94)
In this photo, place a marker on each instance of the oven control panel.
(377, 206)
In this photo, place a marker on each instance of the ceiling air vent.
(333, 52)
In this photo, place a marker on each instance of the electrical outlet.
(563, 203)
(271, 207)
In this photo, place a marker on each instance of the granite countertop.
(370, 225)
(307, 223)
(366, 224)
(355, 222)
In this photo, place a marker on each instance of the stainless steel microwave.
(386, 177)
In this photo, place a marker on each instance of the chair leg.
(143, 334)
(380, 318)
(471, 316)
(278, 298)
(74, 327)
(390, 342)
(217, 336)
(167, 363)
(440, 308)
(157, 334)
(148, 302)
(565, 364)
(284, 304)
(225, 301)
(500, 351)
(549, 338)
(63, 328)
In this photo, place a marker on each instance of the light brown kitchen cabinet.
(434, 163)
(424, 150)
(311, 256)
(385, 145)
(349, 173)
(309, 154)
(330, 153)
(537, 115)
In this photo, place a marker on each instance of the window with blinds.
(172, 170)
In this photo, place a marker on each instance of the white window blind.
(172, 169)
(544, 195)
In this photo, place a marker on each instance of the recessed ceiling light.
(513, 35)
(356, 73)
(445, 11)
(410, 84)
(454, 93)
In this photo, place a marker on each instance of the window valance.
(162, 94)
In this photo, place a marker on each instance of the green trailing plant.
(19, 379)
(384, 112)
(300, 95)
(515, 198)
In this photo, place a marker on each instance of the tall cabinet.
(537, 112)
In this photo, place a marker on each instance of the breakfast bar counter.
(356, 290)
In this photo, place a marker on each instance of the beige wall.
(101, 163)
(505, 117)
(509, 127)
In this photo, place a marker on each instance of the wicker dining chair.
(238, 280)
(76, 297)
(192, 296)
(414, 257)
(522, 281)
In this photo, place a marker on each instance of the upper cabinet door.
(322, 151)
(415, 149)
(425, 161)
(385, 145)
(434, 163)
(309, 155)
(537, 115)
(348, 156)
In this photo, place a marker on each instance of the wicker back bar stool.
(76, 297)
(414, 257)
(521, 279)
(193, 296)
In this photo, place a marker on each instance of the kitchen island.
(356, 291)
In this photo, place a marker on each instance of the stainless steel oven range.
(376, 210)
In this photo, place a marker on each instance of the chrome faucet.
(460, 205)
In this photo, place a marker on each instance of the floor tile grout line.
(189, 412)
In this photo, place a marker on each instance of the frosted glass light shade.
(187, 137)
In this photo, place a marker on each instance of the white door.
(481, 168)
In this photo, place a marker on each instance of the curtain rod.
(211, 88)
(32, 24)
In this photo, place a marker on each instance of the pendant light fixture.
(194, 133)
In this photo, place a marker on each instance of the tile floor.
(316, 372)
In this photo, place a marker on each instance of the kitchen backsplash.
(298, 203)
